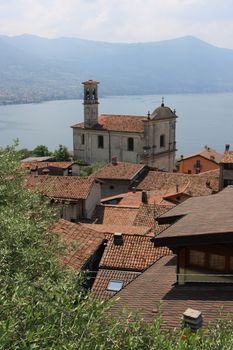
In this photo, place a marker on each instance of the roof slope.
(157, 284)
(114, 215)
(119, 171)
(86, 241)
(207, 153)
(66, 187)
(135, 253)
(127, 229)
(103, 277)
(201, 216)
(122, 123)
(191, 184)
(227, 158)
(39, 165)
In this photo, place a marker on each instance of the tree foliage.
(41, 151)
(87, 170)
(62, 154)
(44, 306)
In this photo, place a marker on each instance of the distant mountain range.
(35, 69)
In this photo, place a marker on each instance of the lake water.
(204, 119)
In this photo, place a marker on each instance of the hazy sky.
(120, 20)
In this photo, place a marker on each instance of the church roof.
(163, 112)
(114, 122)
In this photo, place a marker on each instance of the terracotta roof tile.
(193, 185)
(64, 187)
(119, 171)
(158, 283)
(227, 158)
(126, 123)
(148, 213)
(135, 199)
(87, 242)
(114, 215)
(103, 277)
(127, 229)
(136, 253)
(208, 153)
(41, 165)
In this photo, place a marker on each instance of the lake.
(204, 119)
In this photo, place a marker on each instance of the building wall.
(72, 211)
(113, 187)
(92, 200)
(226, 175)
(115, 145)
(187, 166)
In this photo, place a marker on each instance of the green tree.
(24, 153)
(62, 154)
(41, 151)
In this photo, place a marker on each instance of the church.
(147, 139)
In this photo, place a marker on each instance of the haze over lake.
(204, 119)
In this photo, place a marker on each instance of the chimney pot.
(114, 160)
(181, 157)
(144, 197)
(193, 319)
(227, 147)
(118, 238)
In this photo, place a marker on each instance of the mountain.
(34, 68)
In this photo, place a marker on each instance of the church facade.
(147, 139)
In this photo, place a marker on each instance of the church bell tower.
(90, 103)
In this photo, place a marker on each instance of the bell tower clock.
(90, 103)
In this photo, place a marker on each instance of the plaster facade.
(150, 140)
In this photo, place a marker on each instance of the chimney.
(193, 319)
(227, 147)
(144, 197)
(118, 238)
(181, 157)
(114, 160)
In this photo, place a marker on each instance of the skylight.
(115, 286)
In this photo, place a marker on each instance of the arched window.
(130, 144)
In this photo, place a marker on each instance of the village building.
(147, 139)
(76, 196)
(125, 257)
(226, 169)
(120, 177)
(199, 162)
(200, 273)
(51, 168)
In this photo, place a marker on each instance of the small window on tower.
(162, 140)
(130, 144)
(83, 139)
(100, 141)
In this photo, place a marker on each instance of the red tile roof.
(39, 165)
(136, 253)
(193, 185)
(103, 277)
(86, 241)
(114, 215)
(227, 158)
(127, 229)
(119, 171)
(62, 187)
(158, 284)
(123, 123)
(207, 153)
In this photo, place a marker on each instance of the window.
(196, 258)
(130, 144)
(227, 182)
(83, 139)
(189, 171)
(115, 286)
(198, 163)
(100, 141)
(162, 140)
(216, 262)
(228, 166)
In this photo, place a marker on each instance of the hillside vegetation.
(35, 69)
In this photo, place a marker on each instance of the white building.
(137, 139)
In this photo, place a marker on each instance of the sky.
(120, 20)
